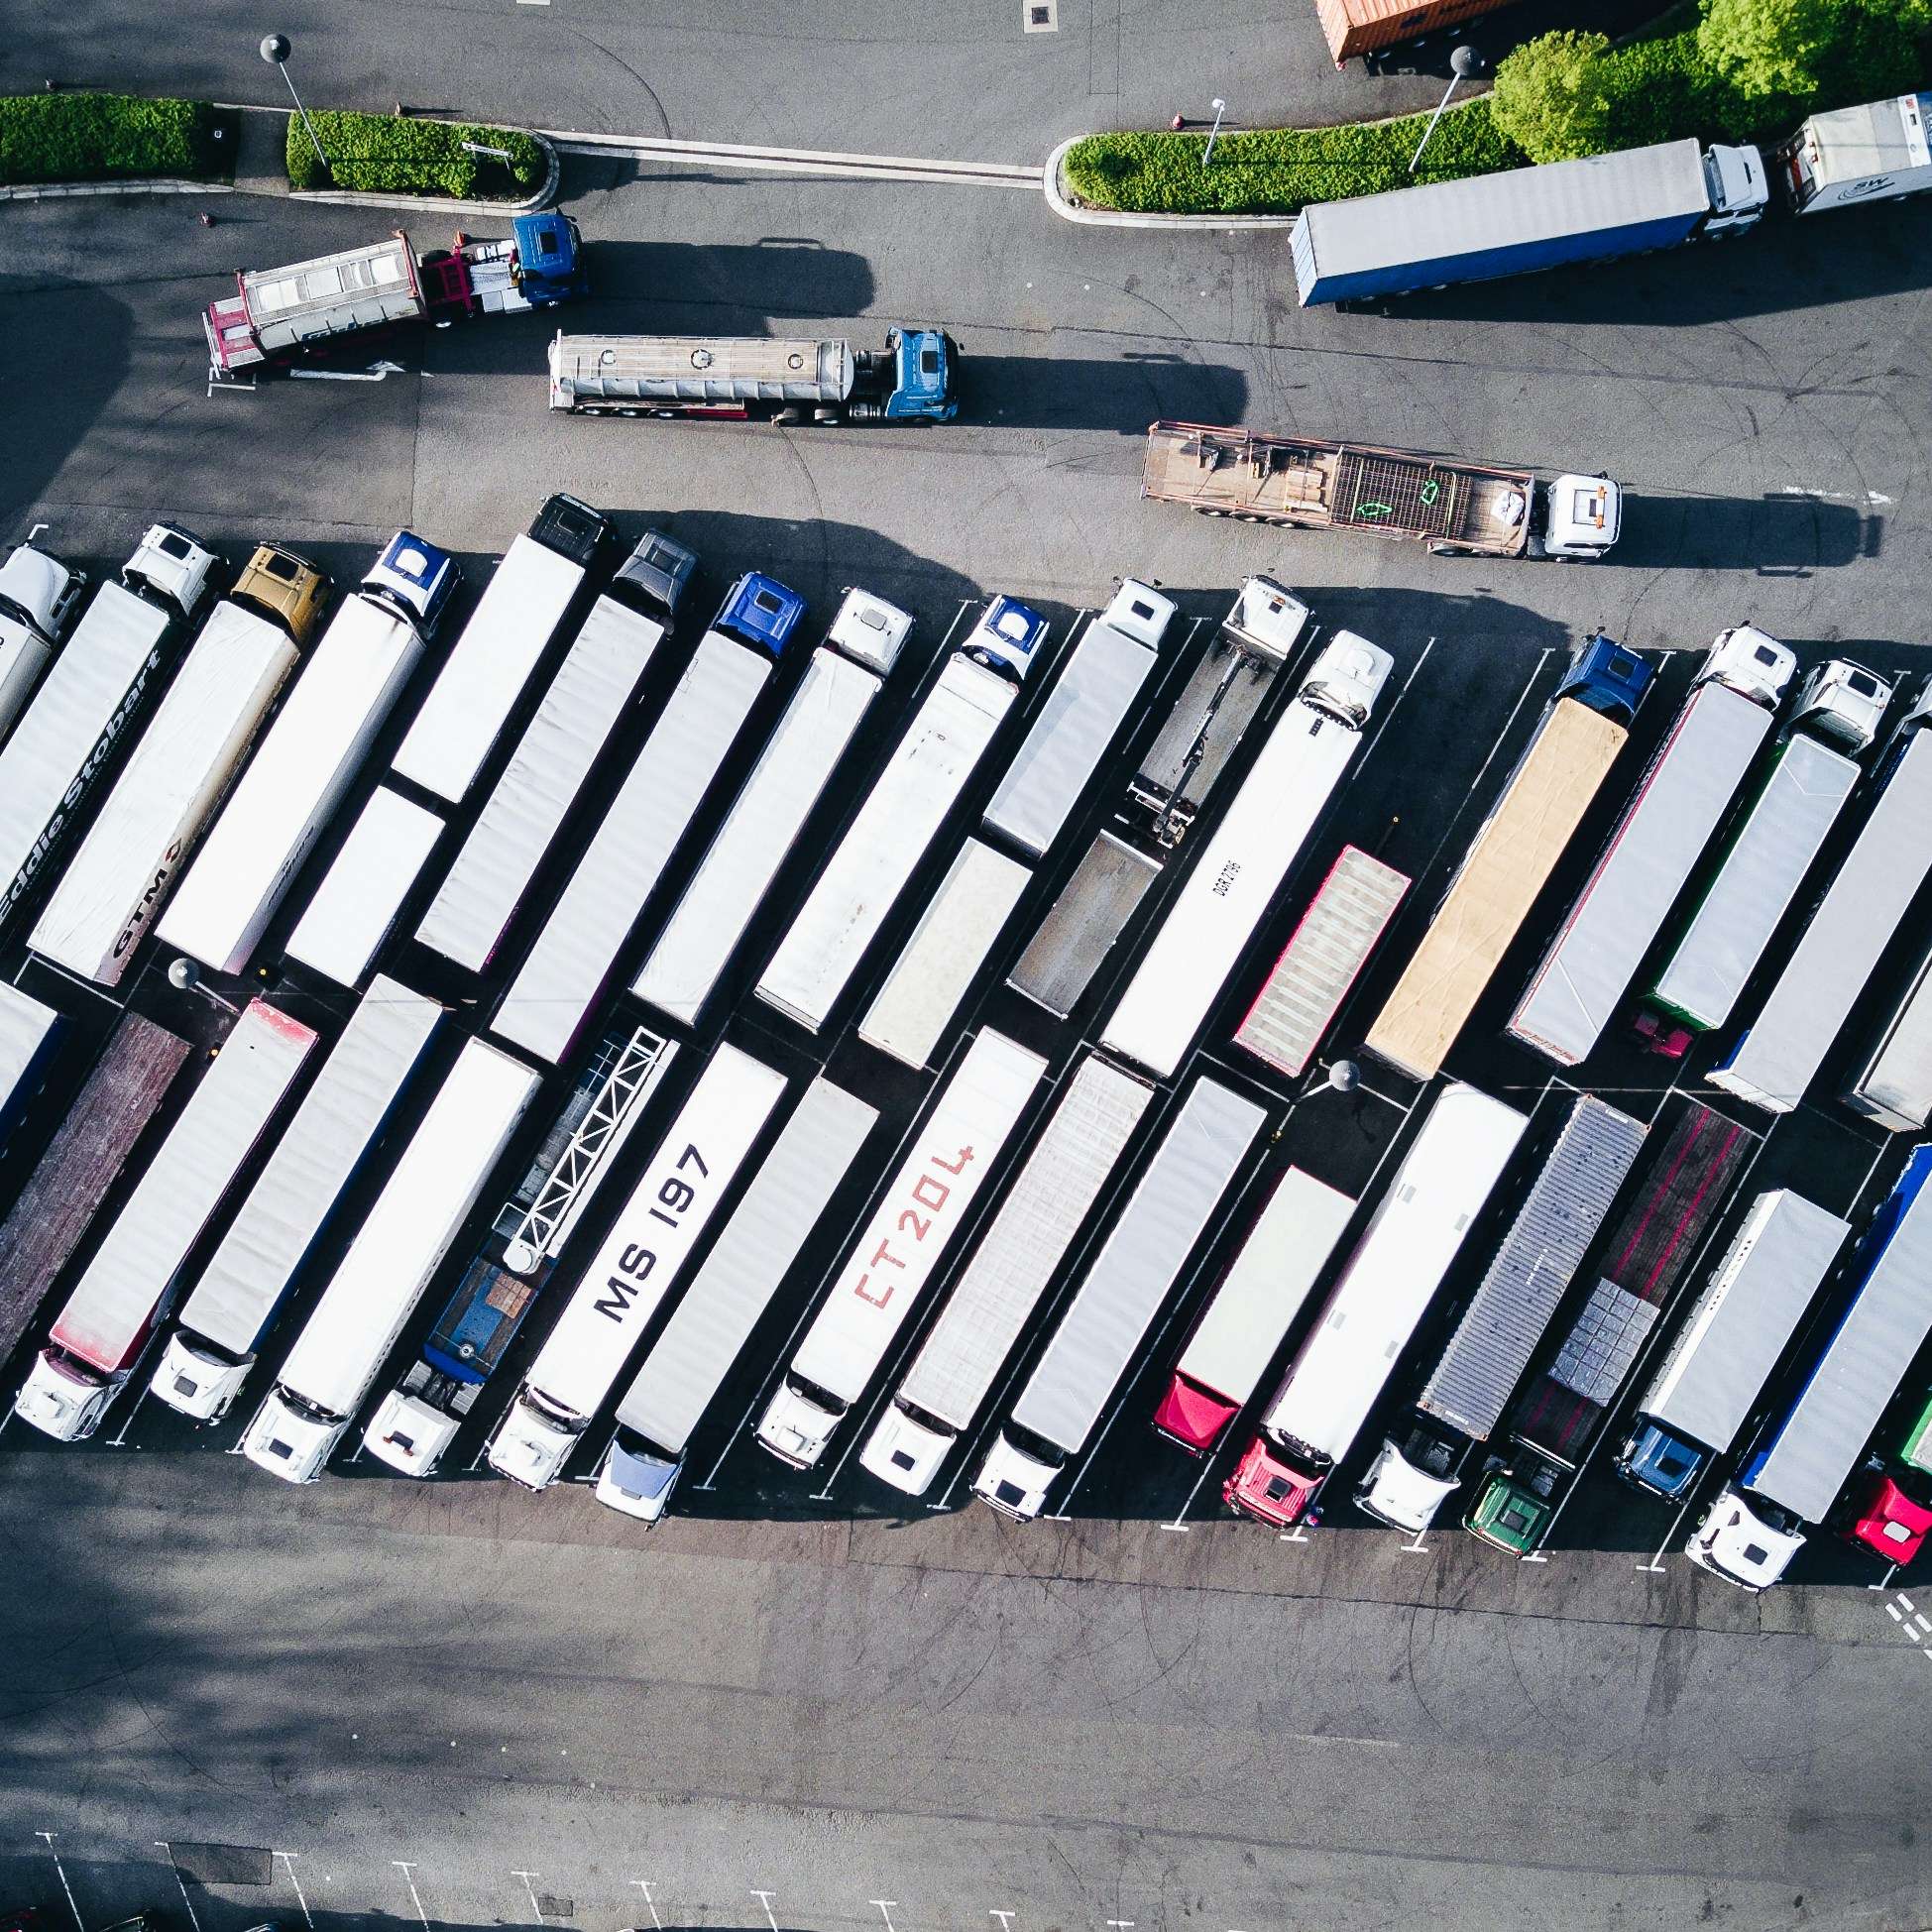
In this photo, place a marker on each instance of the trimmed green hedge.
(107, 137)
(387, 155)
(1277, 171)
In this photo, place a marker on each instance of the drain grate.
(1042, 16)
(555, 1907)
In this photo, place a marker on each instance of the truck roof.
(1897, 1083)
(1225, 693)
(704, 368)
(1876, 137)
(353, 909)
(1165, 1217)
(353, 288)
(26, 1029)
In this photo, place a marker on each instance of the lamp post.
(1207, 153)
(275, 50)
(1464, 62)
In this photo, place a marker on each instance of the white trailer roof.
(350, 916)
(913, 1008)
(1886, 137)
(1666, 825)
(110, 654)
(356, 287)
(1165, 1216)
(480, 895)
(1227, 890)
(339, 1117)
(1749, 1310)
(1780, 1054)
(115, 884)
(1773, 849)
(916, 1219)
(405, 1236)
(649, 1243)
(26, 1026)
(291, 786)
(908, 802)
(756, 837)
(1444, 1179)
(1261, 1295)
(1895, 1087)
(485, 673)
(746, 1266)
(183, 1185)
(1022, 1251)
(627, 855)
(1068, 737)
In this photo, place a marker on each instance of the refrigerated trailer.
(1679, 804)
(1423, 1459)
(247, 1280)
(1387, 1283)
(621, 864)
(126, 1286)
(1509, 860)
(493, 868)
(1084, 924)
(94, 1141)
(1234, 881)
(1894, 1087)
(1779, 1055)
(1703, 1390)
(118, 879)
(950, 1157)
(1249, 1315)
(1010, 1271)
(1325, 955)
(1643, 1261)
(1102, 1329)
(355, 908)
(686, 1366)
(1789, 1476)
(636, 1267)
(29, 1035)
(400, 1244)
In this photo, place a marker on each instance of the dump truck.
(1456, 509)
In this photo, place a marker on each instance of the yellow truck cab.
(286, 587)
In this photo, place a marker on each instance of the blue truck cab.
(1659, 1462)
(922, 390)
(415, 580)
(1608, 678)
(760, 612)
(1005, 637)
(549, 259)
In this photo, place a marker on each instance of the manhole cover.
(1042, 16)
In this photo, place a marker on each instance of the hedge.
(389, 155)
(106, 137)
(1277, 171)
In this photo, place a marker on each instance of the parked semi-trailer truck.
(1247, 1318)
(684, 1369)
(1456, 509)
(308, 756)
(1509, 860)
(1416, 1230)
(1236, 875)
(997, 1292)
(248, 1278)
(950, 1157)
(1166, 1217)
(1679, 804)
(909, 380)
(768, 815)
(38, 599)
(636, 1267)
(1779, 1055)
(623, 860)
(277, 316)
(1789, 1477)
(1648, 1251)
(400, 1244)
(126, 1286)
(924, 776)
(1525, 218)
(94, 1141)
(1739, 1325)
(1425, 1456)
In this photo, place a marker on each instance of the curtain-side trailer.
(355, 908)
(125, 1289)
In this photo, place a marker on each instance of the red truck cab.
(1887, 1521)
(1268, 1489)
(1194, 1416)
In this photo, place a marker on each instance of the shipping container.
(1355, 28)
(1081, 925)
(354, 910)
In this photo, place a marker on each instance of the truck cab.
(759, 611)
(572, 528)
(1887, 1521)
(905, 1450)
(1406, 1493)
(196, 1379)
(415, 580)
(869, 629)
(1347, 679)
(796, 1425)
(1267, 617)
(1607, 678)
(60, 1398)
(170, 566)
(1013, 1481)
(1841, 703)
(286, 588)
(1576, 516)
(635, 1479)
(1194, 1416)
(1658, 1461)
(1735, 1542)
(549, 259)
(1507, 1516)
(657, 573)
(290, 1439)
(1138, 611)
(1005, 637)
(922, 377)
(1751, 662)
(1736, 181)
(532, 1442)
(410, 1435)
(1264, 1487)
(38, 596)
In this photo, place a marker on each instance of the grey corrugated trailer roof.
(1082, 922)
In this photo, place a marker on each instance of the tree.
(1801, 47)
(1549, 98)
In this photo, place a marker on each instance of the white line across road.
(796, 161)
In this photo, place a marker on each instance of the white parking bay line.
(408, 1870)
(62, 1870)
(288, 1859)
(644, 1885)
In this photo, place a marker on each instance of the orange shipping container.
(1357, 27)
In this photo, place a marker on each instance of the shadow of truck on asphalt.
(1778, 535)
(51, 398)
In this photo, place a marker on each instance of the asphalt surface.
(424, 1692)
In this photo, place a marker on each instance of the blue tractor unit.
(759, 611)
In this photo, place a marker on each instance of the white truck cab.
(1013, 1482)
(1348, 678)
(38, 596)
(1841, 703)
(1138, 611)
(1267, 617)
(1005, 637)
(1733, 1541)
(869, 629)
(1751, 662)
(290, 1440)
(795, 1427)
(636, 1482)
(1736, 180)
(173, 564)
(1399, 1494)
(59, 1401)
(196, 1379)
(905, 1453)
(530, 1445)
(1582, 516)
(409, 1434)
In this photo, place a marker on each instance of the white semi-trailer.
(355, 908)
(30, 1033)
(400, 1244)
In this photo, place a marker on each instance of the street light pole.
(1207, 153)
(275, 50)
(1464, 62)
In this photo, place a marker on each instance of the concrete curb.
(55, 190)
(1061, 201)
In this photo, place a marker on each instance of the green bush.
(1278, 171)
(109, 137)
(389, 155)
(1550, 100)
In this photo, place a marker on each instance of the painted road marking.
(407, 1868)
(798, 160)
(182, 1888)
(288, 1859)
(65, 1886)
(644, 1885)
(527, 1877)
(764, 1899)
(885, 1910)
